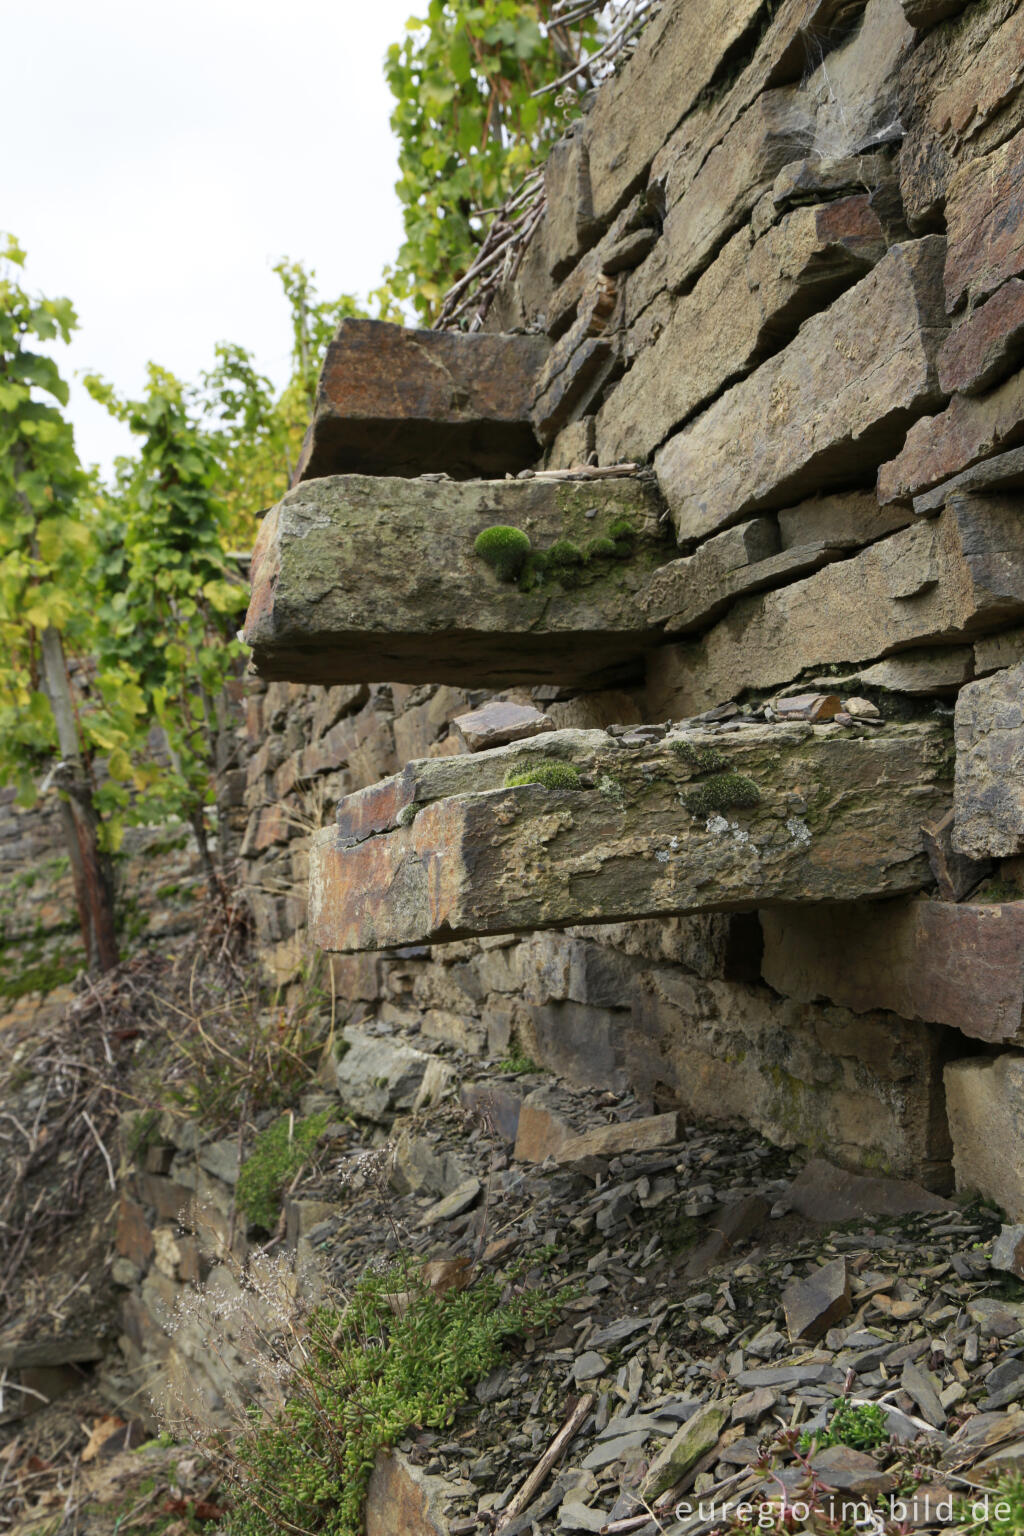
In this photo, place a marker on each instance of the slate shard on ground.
(816, 1302)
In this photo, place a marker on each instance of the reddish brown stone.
(166, 1197)
(985, 221)
(988, 345)
(404, 402)
(402, 1500)
(962, 966)
(374, 809)
(133, 1239)
(968, 430)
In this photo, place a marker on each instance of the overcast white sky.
(160, 159)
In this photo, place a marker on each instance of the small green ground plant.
(277, 1155)
(861, 1426)
(399, 1356)
(1001, 1508)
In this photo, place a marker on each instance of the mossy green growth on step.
(510, 554)
(700, 758)
(723, 791)
(552, 775)
(505, 549)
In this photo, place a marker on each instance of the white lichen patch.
(798, 830)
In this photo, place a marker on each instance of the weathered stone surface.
(376, 1076)
(397, 401)
(571, 226)
(939, 580)
(701, 585)
(988, 803)
(729, 183)
(751, 299)
(360, 577)
(824, 1193)
(571, 389)
(956, 876)
(733, 1225)
(1003, 472)
(849, 519)
(1008, 1252)
(959, 965)
(498, 722)
(928, 13)
(988, 345)
(985, 1099)
(661, 831)
(817, 1302)
(994, 652)
(677, 58)
(818, 180)
(806, 414)
(403, 1500)
(985, 223)
(938, 669)
(968, 430)
(696, 596)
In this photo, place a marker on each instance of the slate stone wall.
(782, 266)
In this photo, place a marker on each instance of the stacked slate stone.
(723, 506)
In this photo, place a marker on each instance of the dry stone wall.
(780, 273)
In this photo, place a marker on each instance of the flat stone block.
(959, 965)
(397, 401)
(697, 822)
(807, 416)
(988, 804)
(988, 344)
(971, 428)
(985, 219)
(676, 59)
(360, 578)
(941, 580)
(749, 301)
(985, 1100)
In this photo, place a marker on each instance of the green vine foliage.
(469, 126)
(172, 597)
(47, 536)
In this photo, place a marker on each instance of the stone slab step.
(397, 401)
(699, 821)
(370, 579)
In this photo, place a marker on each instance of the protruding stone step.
(403, 402)
(612, 829)
(476, 583)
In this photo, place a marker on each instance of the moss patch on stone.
(723, 791)
(700, 759)
(550, 774)
(511, 556)
(505, 549)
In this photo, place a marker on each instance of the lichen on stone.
(548, 772)
(505, 549)
(721, 792)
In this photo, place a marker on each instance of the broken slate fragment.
(452, 1205)
(815, 1304)
(498, 722)
(688, 1445)
(1008, 1251)
(589, 1365)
